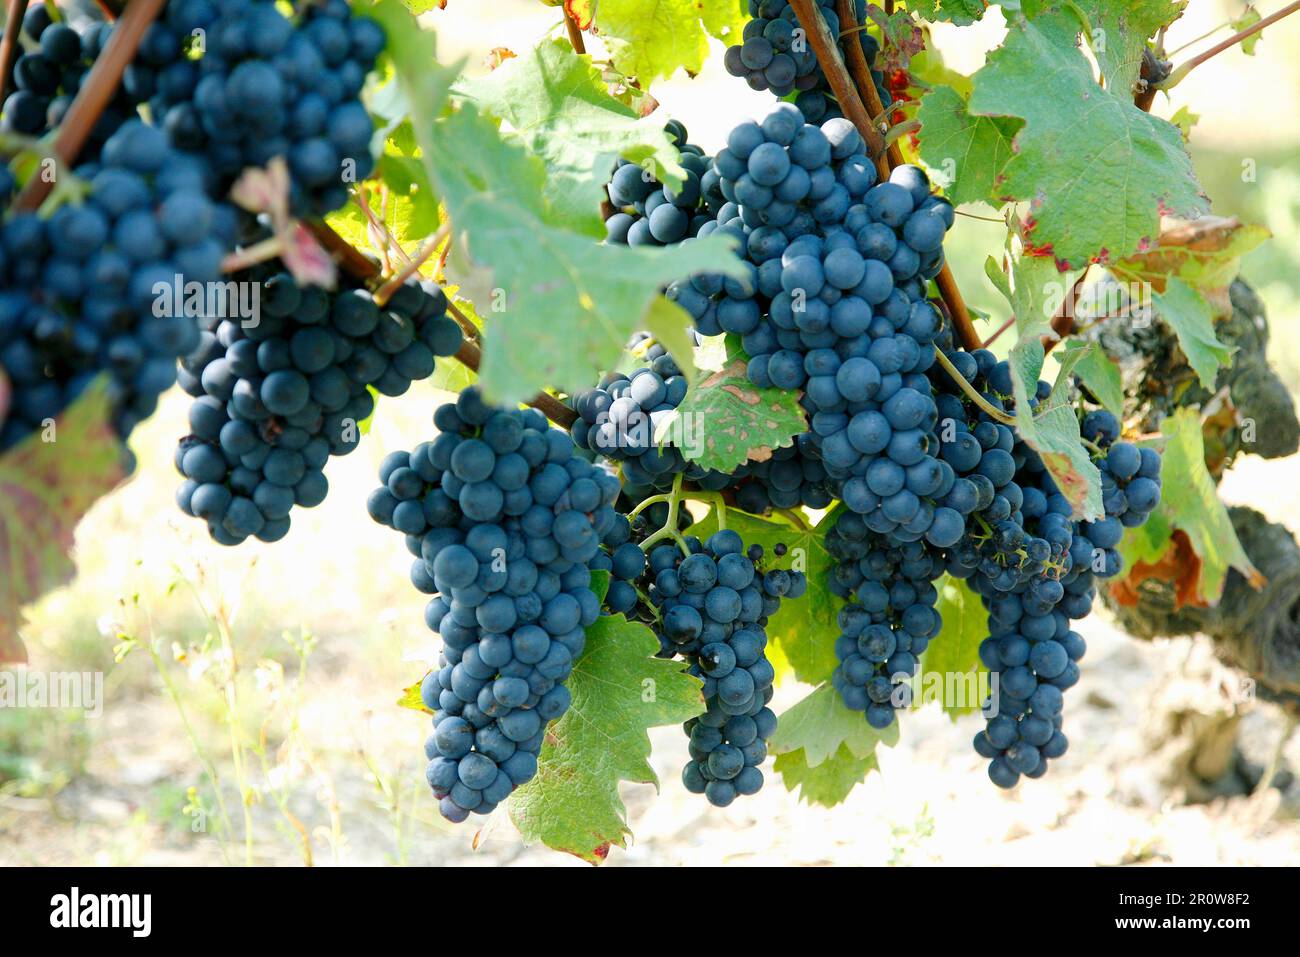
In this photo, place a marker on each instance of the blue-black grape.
(511, 587)
(278, 393)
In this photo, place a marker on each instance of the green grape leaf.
(560, 109)
(412, 699)
(830, 782)
(1190, 316)
(1053, 431)
(619, 690)
(954, 653)
(48, 481)
(671, 325)
(803, 631)
(649, 39)
(1185, 120)
(726, 420)
(1248, 18)
(1190, 503)
(1120, 32)
(962, 13)
(569, 305)
(1100, 375)
(419, 7)
(966, 153)
(1097, 172)
(820, 724)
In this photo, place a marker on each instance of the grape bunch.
(276, 394)
(837, 306)
(650, 213)
(98, 287)
(1034, 567)
(262, 86)
(711, 607)
(47, 77)
(504, 522)
(775, 55)
(890, 619)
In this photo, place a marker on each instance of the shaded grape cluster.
(278, 393)
(1033, 565)
(50, 72)
(711, 607)
(503, 521)
(890, 619)
(651, 213)
(774, 54)
(97, 288)
(262, 85)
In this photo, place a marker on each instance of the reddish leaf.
(1179, 565)
(47, 483)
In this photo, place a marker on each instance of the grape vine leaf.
(671, 325)
(48, 481)
(570, 304)
(1190, 503)
(412, 699)
(953, 655)
(726, 420)
(1099, 374)
(1248, 18)
(966, 153)
(805, 628)
(820, 724)
(961, 13)
(619, 690)
(560, 109)
(1097, 172)
(830, 782)
(1189, 315)
(1204, 253)
(1120, 32)
(649, 39)
(1053, 430)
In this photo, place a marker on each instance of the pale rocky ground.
(110, 790)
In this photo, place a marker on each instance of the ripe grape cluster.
(262, 85)
(504, 522)
(279, 392)
(1034, 567)
(774, 54)
(890, 619)
(836, 305)
(49, 74)
(650, 213)
(711, 607)
(95, 288)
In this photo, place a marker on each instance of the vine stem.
(833, 67)
(575, 34)
(670, 526)
(823, 44)
(15, 9)
(1011, 321)
(389, 288)
(99, 86)
(1179, 74)
(1063, 322)
(646, 503)
(971, 392)
(469, 354)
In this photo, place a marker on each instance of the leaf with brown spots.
(726, 420)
